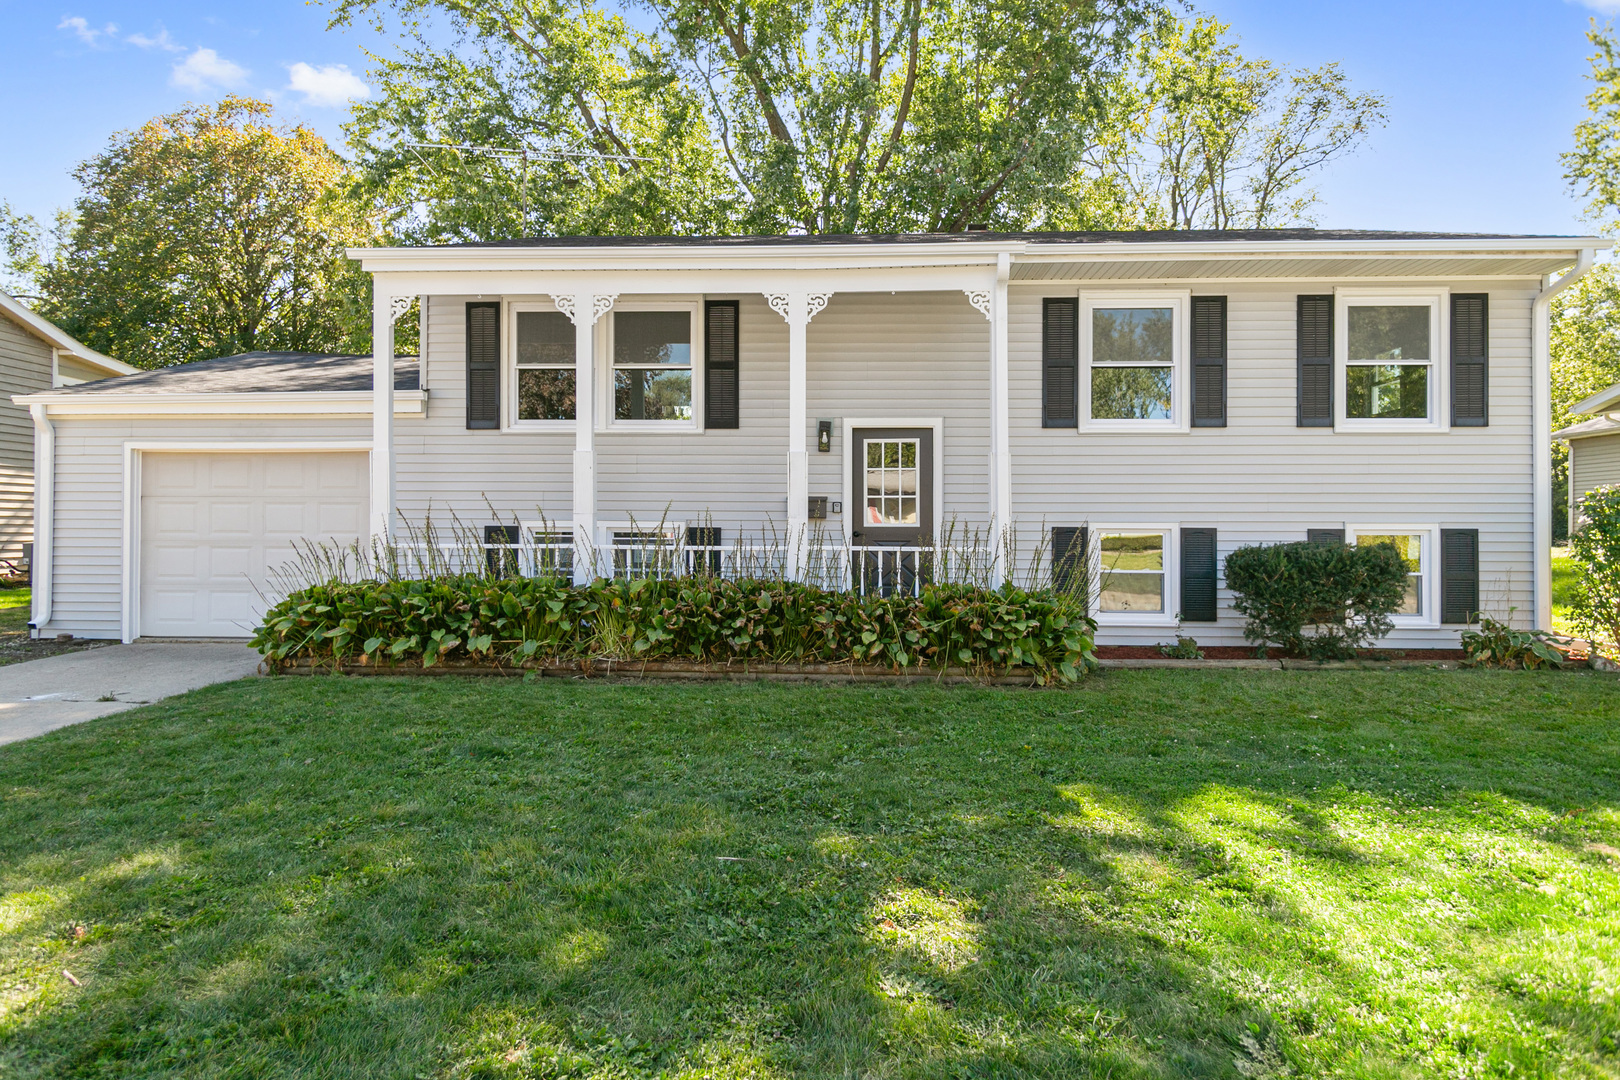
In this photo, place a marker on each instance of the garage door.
(213, 525)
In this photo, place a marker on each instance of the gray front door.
(893, 485)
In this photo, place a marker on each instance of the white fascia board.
(328, 403)
(506, 281)
(1602, 401)
(55, 336)
(1237, 249)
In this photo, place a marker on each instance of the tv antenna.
(521, 154)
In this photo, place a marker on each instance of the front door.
(894, 485)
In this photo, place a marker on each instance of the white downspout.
(44, 515)
(1541, 436)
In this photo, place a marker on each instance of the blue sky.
(1482, 95)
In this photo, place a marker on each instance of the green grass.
(14, 610)
(1564, 572)
(1370, 874)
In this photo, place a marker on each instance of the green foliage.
(519, 620)
(1185, 648)
(201, 234)
(1343, 594)
(1195, 135)
(1585, 347)
(1596, 547)
(1496, 644)
(1593, 166)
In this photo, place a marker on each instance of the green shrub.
(1496, 644)
(517, 620)
(1344, 595)
(1595, 607)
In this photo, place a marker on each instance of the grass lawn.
(1564, 571)
(1165, 873)
(14, 610)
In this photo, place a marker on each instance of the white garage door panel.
(213, 527)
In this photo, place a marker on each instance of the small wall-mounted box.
(818, 507)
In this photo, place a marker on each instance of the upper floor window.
(545, 365)
(1390, 373)
(652, 365)
(1132, 360)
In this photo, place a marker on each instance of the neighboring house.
(1148, 400)
(34, 356)
(1594, 447)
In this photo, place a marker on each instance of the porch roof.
(1320, 254)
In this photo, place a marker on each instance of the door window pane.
(891, 482)
(1132, 572)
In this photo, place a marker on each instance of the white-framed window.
(1135, 569)
(644, 551)
(1133, 360)
(540, 393)
(550, 546)
(1389, 371)
(652, 377)
(1417, 545)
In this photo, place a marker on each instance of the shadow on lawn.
(951, 884)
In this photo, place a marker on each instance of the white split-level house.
(1152, 399)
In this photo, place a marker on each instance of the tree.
(748, 115)
(205, 233)
(1585, 353)
(1592, 168)
(1198, 136)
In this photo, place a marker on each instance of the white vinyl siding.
(1262, 479)
(25, 367)
(1593, 463)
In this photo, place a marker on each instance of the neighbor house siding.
(25, 367)
(71, 370)
(1593, 463)
(1263, 479)
(87, 560)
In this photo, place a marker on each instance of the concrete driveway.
(42, 695)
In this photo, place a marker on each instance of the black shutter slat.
(1060, 361)
(1459, 575)
(1209, 361)
(722, 406)
(1470, 360)
(1198, 575)
(1315, 350)
(1069, 566)
(483, 366)
(1325, 536)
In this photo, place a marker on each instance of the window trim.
(1180, 303)
(509, 394)
(606, 421)
(1439, 411)
(1172, 575)
(1427, 569)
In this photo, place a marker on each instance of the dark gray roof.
(272, 372)
(1160, 236)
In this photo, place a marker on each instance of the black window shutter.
(1069, 567)
(1470, 360)
(721, 405)
(1198, 575)
(1314, 338)
(1060, 361)
(1459, 575)
(483, 366)
(1209, 361)
(1325, 536)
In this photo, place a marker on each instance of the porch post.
(384, 310)
(798, 308)
(583, 309)
(992, 304)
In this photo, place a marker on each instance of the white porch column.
(798, 308)
(384, 310)
(992, 303)
(583, 310)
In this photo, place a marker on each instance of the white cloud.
(84, 31)
(326, 87)
(162, 41)
(1605, 7)
(206, 68)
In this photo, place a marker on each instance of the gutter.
(1541, 435)
(44, 516)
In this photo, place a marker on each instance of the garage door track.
(43, 695)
